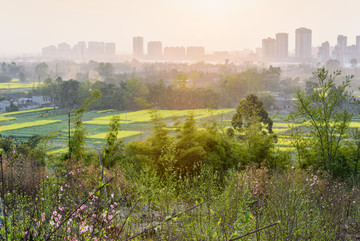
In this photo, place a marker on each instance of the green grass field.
(134, 125)
(50, 121)
(144, 116)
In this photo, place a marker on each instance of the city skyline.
(215, 24)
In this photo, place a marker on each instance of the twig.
(132, 209)
(168, 219)
(78, 207)
(255, 231)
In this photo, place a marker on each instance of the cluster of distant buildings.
(33, 102)
(273, 49)
(155, 51)
(81, 50)
(278, 49)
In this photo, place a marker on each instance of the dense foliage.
(191, 180)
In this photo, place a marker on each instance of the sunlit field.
(52, 122)
(121, 134)
(144, 115)
(17, 85)
(27, 125)
(134, 125)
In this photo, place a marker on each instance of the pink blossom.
(43, 217)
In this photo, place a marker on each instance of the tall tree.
(113, 149)
(248, 121)
(326, 112)
(251, 108)
(41, 71)
(77, 142)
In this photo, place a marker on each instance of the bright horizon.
(218, 25)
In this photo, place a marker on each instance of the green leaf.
(234, 235)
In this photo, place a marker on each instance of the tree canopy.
(249, 109)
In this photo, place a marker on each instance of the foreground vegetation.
(193, 181)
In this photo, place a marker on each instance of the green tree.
(191, 153)
(272, 78)
(268, 100)
(235, 87)
(248, 122)
(113, 150)
(69, 95)
(138, 91)
(77, 141)
(325, 113)
(249, 111)
(105, 69)
(41, 71)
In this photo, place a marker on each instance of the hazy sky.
(29, 25)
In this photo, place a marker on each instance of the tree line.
(181, 93)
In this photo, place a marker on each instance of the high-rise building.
(138, 47)
(96, 49)
(195, 52)
(340, 49)
(324, 52)
(268, 49)
(282, 46)
(358, 46)
(154, 50)
(64, 50)
(174, 53)
(110, 50)
(303, 43)
(341, 41)
(79, 51)
(50, 52)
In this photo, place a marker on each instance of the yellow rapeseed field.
(121, 134)
(144, 115)
(27, 124)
